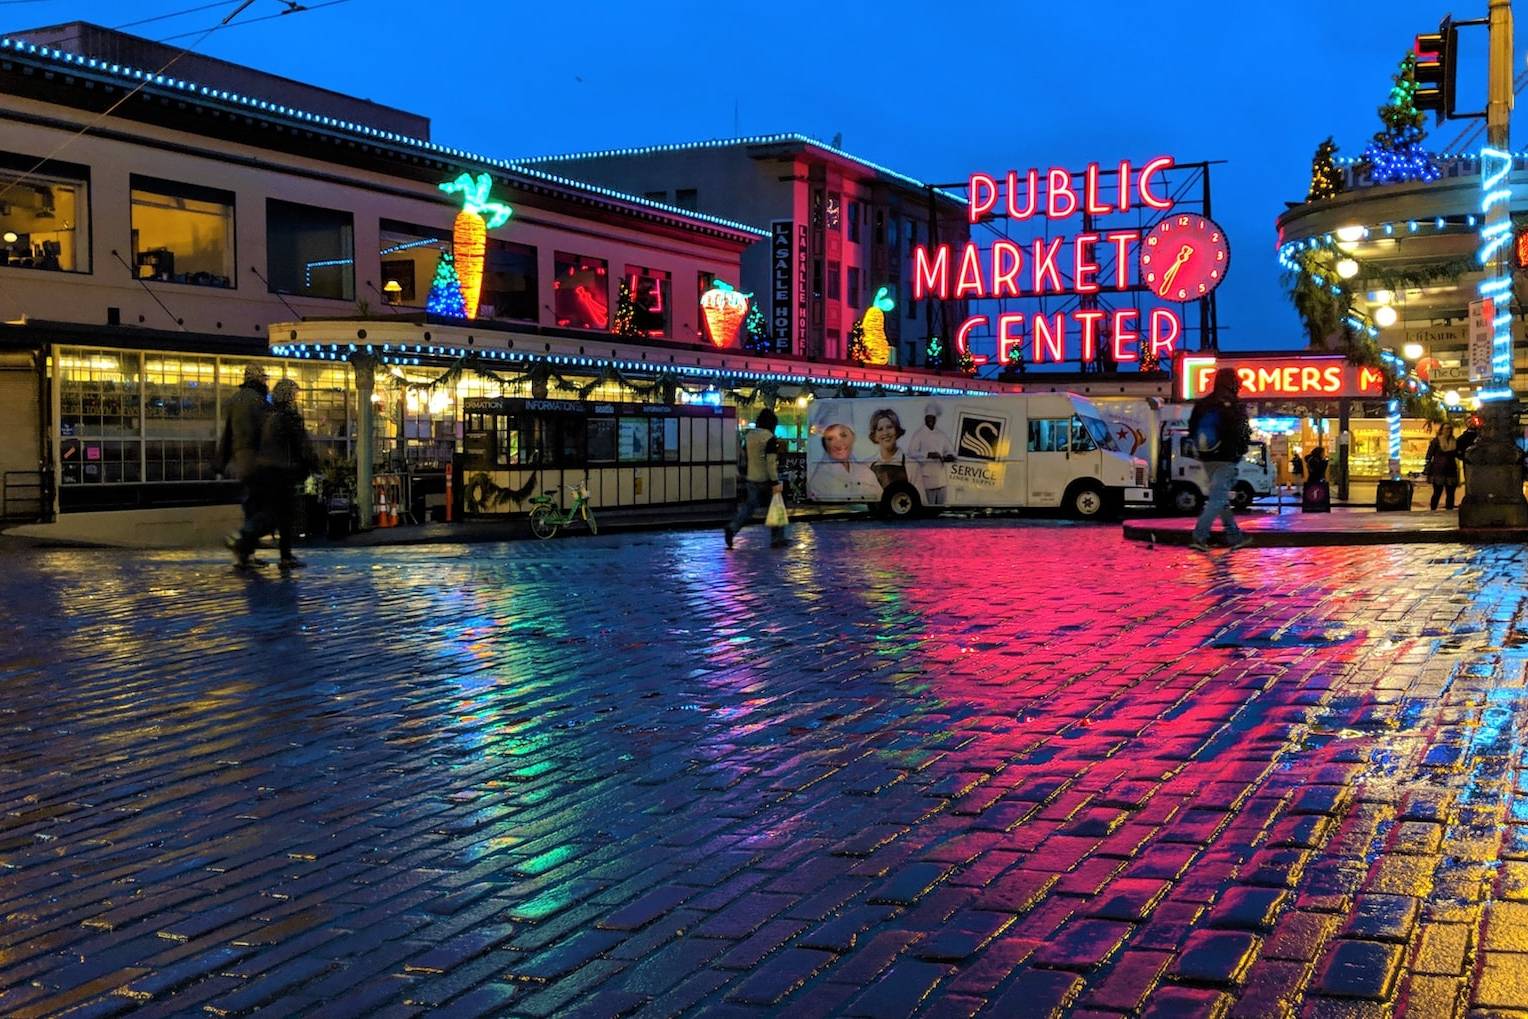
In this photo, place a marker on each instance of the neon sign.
(469, 234)
(724, 309)
(1274, 378)
(1181, 259)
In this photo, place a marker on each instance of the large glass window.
(99, 419)
(601, 445)
(409, 255)
(1048, 435)
(311, 250)
(582, 291)
(649, 291)
(180, 412)
(43, 217)
(509, 282)
(182, 233)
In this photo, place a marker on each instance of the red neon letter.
(1006, 341)
(1089, 320)
(1333, 379)
(1091, 202)
(1033, 194)
(1147, 172)
(1166, 327)
(1059, 186)
(931, 279)
(1052, 333)
(970, 280)
(1122, 240)
(1007, 258)
(1123, 186)
(1044, 264)
(1124, 334)
(980, 203)
(961, 344)
(1083, 266)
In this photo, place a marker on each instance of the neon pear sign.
(1181, 258)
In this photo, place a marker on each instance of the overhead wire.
(297, 9)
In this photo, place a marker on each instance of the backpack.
(1207, 432)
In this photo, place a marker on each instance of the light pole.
(1494, 484)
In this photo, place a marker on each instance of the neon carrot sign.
(1075, 265)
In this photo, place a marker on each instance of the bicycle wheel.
(589, 519)
(543, 523)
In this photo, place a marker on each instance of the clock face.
(1184, 257)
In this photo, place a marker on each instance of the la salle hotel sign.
(1181, 258)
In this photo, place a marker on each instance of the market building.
(841, 228)
(160, 232)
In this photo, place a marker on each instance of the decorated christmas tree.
(625, 323)
(858, 352)
(1325, 180)
(446, 290)
(966, 363)
(933, 352)
(756, 337)
(1396, 154)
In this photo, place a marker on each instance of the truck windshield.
(1099, 431)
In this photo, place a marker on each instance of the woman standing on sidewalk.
(1442, 467)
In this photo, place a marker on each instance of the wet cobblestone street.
(956, 768)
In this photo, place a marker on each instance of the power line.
(297, 9)
(173, 14)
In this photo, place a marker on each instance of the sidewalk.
(1342, 526)
(475, 532)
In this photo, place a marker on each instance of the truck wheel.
(1241, 496)
(1187, 499)
(900, 502)
(1086, 501)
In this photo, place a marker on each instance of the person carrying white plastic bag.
(761, 481)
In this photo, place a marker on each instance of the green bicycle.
(547, 516)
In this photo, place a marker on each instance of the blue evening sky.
(934, 90)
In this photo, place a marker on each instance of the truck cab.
(1185, 481)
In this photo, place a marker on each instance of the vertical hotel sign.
(782, 306)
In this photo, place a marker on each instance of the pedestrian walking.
(244, 416)
(761, 477)
(286, 459)
(1441, 467)
(1315, 466)
(1221, 434)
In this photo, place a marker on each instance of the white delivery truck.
(902, 455)
(1158, 431)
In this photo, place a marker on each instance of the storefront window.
(409, 255)
(182, 233)
(601, 440)
(180, 412)
(650, 295)
(99, 419)
(632, 438)
(43, 218)
(311, 251)
(509, 282)
(581, 291)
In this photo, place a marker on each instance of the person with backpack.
(1221, 434)
(244, 415)
(285, 460)
(761, 477)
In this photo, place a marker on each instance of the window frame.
(167, 188)
(270, 203)
(57, 173)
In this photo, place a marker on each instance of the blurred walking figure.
(244, 417)
(1221, 434)
(286, 459)
(761, 477)
(1442, 466)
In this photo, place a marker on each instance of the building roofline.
(784, 138)
(183, 90)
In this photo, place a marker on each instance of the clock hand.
(1184, 253)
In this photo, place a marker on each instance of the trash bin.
(1393, 496)
(1316, 497)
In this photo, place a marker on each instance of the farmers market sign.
(1267, 378)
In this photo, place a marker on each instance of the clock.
(1184, 257)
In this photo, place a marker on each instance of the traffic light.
(1435, 53)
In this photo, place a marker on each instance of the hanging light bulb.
(1381, 297)
(1412, 351)
(1350, 233)
(1451, 397)
(1385, 316)
(1347, 268)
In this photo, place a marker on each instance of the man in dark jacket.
(244, 416)
(1220, 431)
(284, 462)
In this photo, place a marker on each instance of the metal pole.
(365, 383)
(1494, 492)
